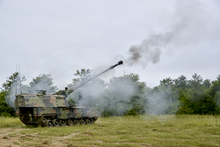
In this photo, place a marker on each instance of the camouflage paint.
(31, 108)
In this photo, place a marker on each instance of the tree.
(12, 87)
(196, 88)
(163, 99)
(83, 75)
(7, 94)
(126, 95)
(42, 82)
(217, 102)
(195, 99)
(181, 82)
(123, 95)
(166, 82)
(86, 94)
(196, 82)
(215, 94)
(13, 82)
(215, 86)
(207, 83)
(218, 78)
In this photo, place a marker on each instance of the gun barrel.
(81, 84)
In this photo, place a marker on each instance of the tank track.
(52, 121)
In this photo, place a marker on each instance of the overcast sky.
(57, 37)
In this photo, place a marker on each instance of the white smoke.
(161, 101)
(16, 88)
(106, 95)
(42, 82)
(120, 94)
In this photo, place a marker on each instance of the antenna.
(20, 80)
(16, 82)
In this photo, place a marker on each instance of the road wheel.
(88, 121)
(44, 119)
(70, 122)
(92, 121)
(56, 122)
(62, 122)
(82, 121)
(76, 121)
(25, 118)
(49, 123)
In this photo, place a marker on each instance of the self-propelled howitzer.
(54, 110)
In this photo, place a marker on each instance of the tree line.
(126, 94)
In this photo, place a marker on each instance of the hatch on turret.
(41, 92)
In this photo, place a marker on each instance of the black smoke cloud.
(187, 27)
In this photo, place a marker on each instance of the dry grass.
(169, 130)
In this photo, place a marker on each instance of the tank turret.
(54, 110)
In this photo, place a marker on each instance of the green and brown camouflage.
(37, 109)
(54, 110)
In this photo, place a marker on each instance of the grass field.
(129, 131)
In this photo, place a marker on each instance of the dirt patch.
(70, 136)
(18, 140)
(6, 139)
(4, 132)
(61, 141)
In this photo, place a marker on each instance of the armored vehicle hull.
(52, 110)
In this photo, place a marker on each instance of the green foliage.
(217, 100)
(126, 95)
(162, 100)
(199, 97)
(84, 74)
(166, 82)
(6, 105)
(87, 91)
(12, 86)
(180, 83)
(42, 82)
(4, 109)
